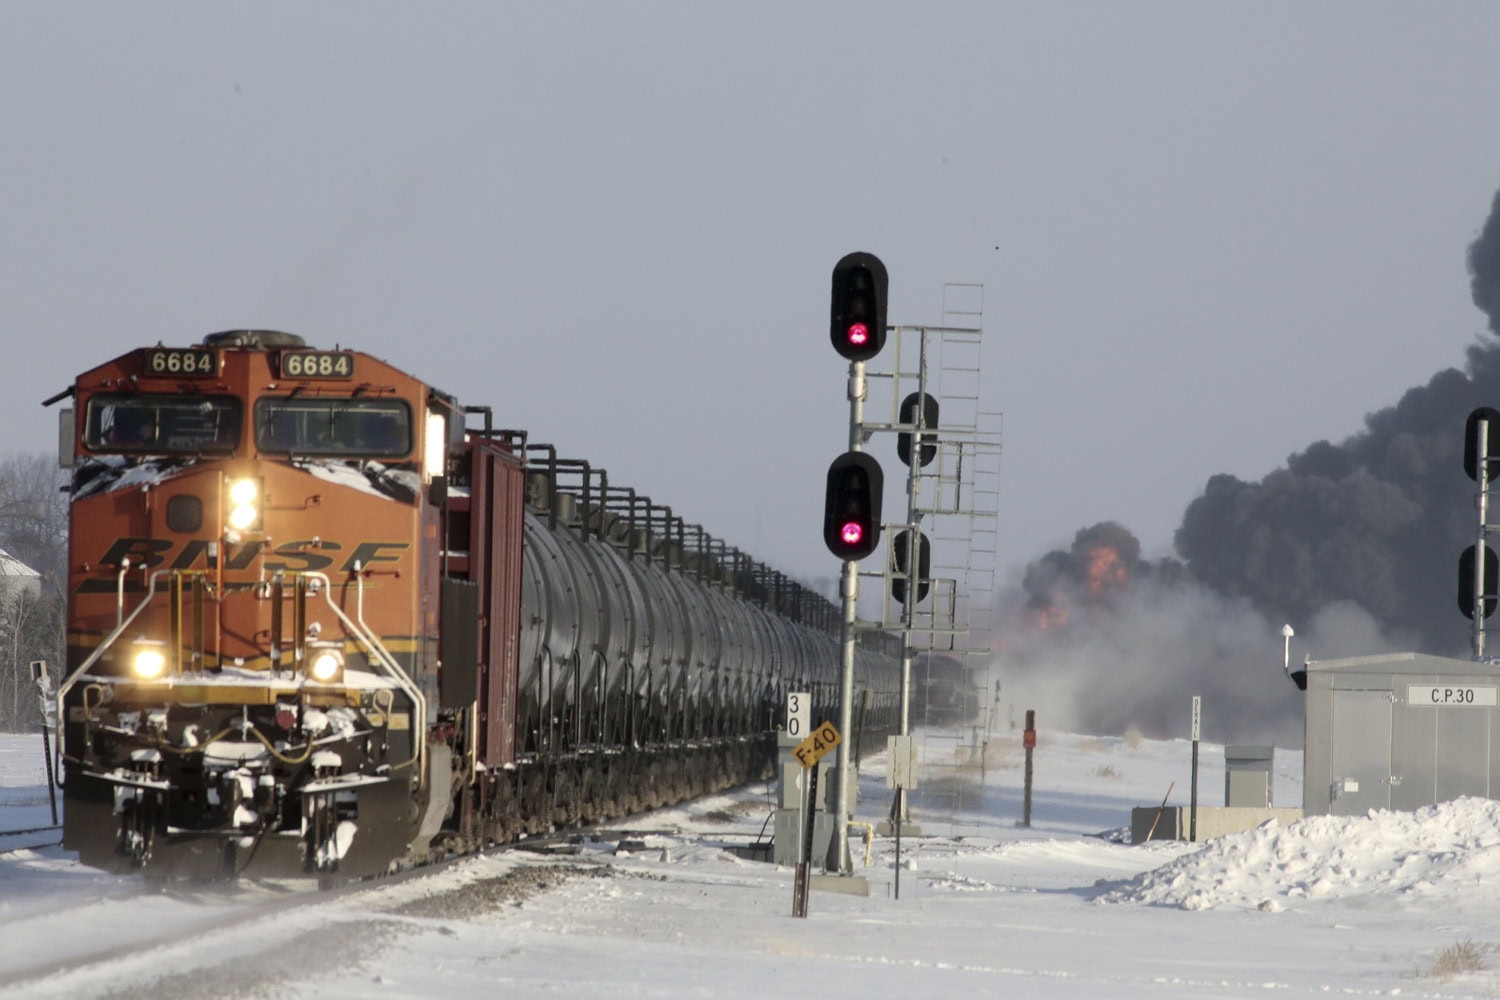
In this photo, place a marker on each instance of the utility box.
(1247, 777)
(791, 821)
(1399, 731)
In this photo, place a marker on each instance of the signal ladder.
(957, 506)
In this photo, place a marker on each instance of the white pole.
(838, 845)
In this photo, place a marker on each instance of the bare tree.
(31, 628)
(34, 515)
(33, 620)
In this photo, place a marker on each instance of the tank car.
(324, 621)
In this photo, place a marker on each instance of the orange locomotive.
(318, 626)
(250, 648)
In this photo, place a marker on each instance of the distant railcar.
(325, 622)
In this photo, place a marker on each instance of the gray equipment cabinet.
(1247, 776)
(1399, 731)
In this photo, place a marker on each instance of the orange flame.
(1053, 616)
(1106, 571)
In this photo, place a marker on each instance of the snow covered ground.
(1386, 905)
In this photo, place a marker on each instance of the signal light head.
(918, 408)
(858, 306)
(902, 580)
(851, 507)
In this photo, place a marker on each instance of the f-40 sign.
(812, 749)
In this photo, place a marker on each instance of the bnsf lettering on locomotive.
(147, 551)
(295, 557)
(305, 561)
(369, 552)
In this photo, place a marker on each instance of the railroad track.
(207, 910)
(161, 948)
(37, 837)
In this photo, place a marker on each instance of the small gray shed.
(1399, 731)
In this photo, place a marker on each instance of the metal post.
(913, 548)
(906, 658)
(1193, 813)
(838, 845)
(1482, 474)
(896, 808)
(1028, 739)
(801, 880)
(44, 701)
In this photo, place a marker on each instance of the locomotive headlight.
(149, 661)
(244, 504)
(326, 665)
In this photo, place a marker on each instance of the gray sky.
(1209, 234)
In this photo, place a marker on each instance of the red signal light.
(857, 307)
(851, 506)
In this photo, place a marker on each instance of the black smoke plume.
(1356, 544)
(1484, 267)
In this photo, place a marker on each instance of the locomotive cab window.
(353, 428)
(162, 424)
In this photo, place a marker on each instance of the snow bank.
(1443, 853)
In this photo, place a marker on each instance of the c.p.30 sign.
(1450, 694)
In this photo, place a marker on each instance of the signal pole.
(838, 848)
(1478, 569)
(921, 409)
(1481, 549)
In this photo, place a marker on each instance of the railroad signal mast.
(851, 507)
(852, 525)
(1479, 578)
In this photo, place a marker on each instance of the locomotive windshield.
(364, 428)
(162, 424)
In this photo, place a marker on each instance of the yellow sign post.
(808, 753)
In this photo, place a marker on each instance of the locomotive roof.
(260, 340)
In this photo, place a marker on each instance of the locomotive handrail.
(373, 645)
(108, 640)
(92, 658)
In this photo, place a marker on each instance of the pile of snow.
(1442, 852)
